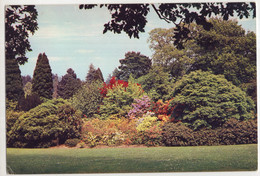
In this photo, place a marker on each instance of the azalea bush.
(140, 107)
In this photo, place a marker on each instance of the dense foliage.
(88, 99)
(156, 83)
(207, 100)
(42, 83)
(191, 93)
(48, 124)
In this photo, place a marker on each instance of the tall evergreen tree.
(42, 83)
(68, 85)
(14, 85)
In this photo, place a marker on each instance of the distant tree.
(68, 85)
(42, 83)
(132, 18)
(94, 74)
(99, 75)
(91, 73)
(14, 85)
(134, 64)
(26, 79)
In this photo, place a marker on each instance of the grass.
(124, 160)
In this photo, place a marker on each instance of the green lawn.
(154, 159)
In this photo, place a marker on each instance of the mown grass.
(125, 160)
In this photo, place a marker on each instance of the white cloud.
(84, 51)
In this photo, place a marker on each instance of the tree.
(134, 64)
(175, 61)
(132, 18)
(20, 21)
(94, 74)
(14, 85)
(68, 85)
(42, 83)
(202, 99)
(225, 49)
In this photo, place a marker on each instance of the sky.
(73, 38)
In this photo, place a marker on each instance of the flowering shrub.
(140, 107)
(112, 84)
(118, 98)
(162, 110)
(109, 132)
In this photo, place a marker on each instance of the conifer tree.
(42, 83)
(14, 85)
(68, 85)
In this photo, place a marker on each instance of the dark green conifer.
(42, 83)
(14, 85)
(68, 85)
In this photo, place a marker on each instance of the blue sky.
(73, 38)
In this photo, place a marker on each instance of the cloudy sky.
(73, 38)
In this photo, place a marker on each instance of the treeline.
(178, 97)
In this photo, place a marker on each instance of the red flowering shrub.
(112, 84)
(162, 110)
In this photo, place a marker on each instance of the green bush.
(50, 123)
(71, 142)
(202, 99)
(11, 117)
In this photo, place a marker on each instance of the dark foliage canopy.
(42, 83)
(20, 21)
(68, 85)
(134, 64)
(132, 18)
